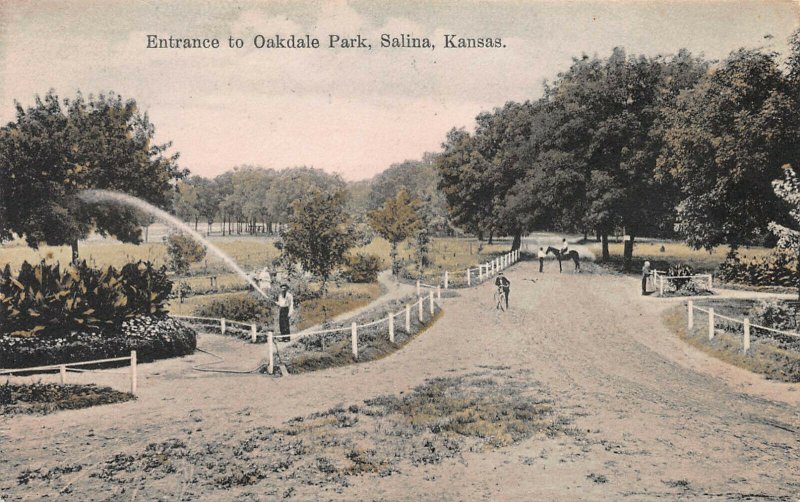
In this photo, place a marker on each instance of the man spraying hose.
(285, 305)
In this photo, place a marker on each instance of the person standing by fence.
(541, 254)
(285, 308)
(645, 275)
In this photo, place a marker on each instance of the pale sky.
(351, 111)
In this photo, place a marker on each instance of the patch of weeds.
(324, 465)
(598, 478)
(677, 483)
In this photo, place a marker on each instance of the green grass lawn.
(674, 252)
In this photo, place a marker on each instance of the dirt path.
(653, 417)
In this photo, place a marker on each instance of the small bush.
(363, 268)
(776, 315)
(182, 252)
(151, 337)
(244, 308)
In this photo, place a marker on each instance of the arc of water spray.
(95, 196)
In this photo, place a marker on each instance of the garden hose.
(199, 367)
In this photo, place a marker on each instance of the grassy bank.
(765, 357)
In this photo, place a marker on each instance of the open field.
(621, 408)
(675, 252)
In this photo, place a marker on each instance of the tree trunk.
(480, 235)
(585, 235)
(74, 246)
(604, 240)
(517, 242)
(491, 238)
(628, 253)
(146, 233)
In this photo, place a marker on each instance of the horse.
(570, 254)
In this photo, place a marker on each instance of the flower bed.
(152, 337)
(46, 398)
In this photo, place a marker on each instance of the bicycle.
(500, 298)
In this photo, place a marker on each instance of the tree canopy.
(55, 149)
(319, 232)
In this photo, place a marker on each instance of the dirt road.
(649, 416)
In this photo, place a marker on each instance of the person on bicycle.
(503, 283)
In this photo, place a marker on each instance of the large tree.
(55, 149)
(319, 232)
(726, 141)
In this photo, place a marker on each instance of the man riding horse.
(565, 253)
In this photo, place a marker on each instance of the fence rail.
(434, 294)
(63, 368)
(243, 330)
(659, 277)
(747, 327)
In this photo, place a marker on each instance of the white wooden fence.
(389, 321)
(250, 330)
(660, 277)
(244, 330)
(64, 368)
(476, 275)
(747, 327)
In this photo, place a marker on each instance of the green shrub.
(776, 269)
(244, 308)
(363, 268)
(183, 251)
(774, 314)
(45, 300)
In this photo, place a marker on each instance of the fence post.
(222, 326)
(446, 280)
(710, 281)
(431, 300)
(391, 327)
(420, 309)
(691, 315)
(133, 373)
(661, 287)
(480, 272)
(746, 341)
(417, 287)
(354, 339)
(469, 278)
(270, 352)
(253, 333)
(438, 293)
(408, 319)
(710, 324)
(62, 371)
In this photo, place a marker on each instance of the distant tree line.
(655, 146)
(251, 199)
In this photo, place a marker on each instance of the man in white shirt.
(285, 308)
(541, 255)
